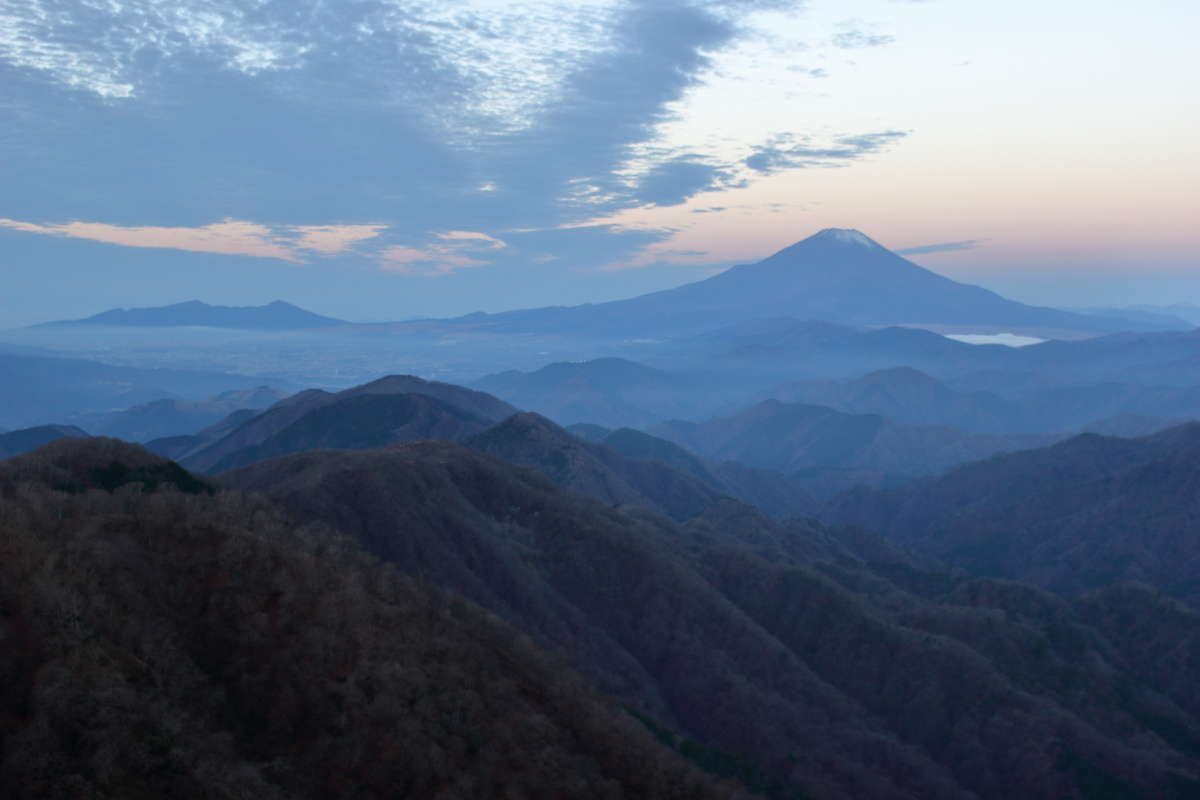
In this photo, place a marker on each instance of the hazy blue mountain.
(588, 432)
(1168, 358)
(606, 391)
(764, 353)
(14, 443)
(253, 433)
(1090, 406)
(904, 395)
(787, 645)
(615, 392)
(791, 437)
(173, 417)
(640, 445)
(835, 275)
(47, 389)
(775, 493)
(1078, 515)
(911, 397)
(1160, 316)
(176, 447)
(596, 470)
(273, 316)
(478, 403)
(1131, 426)
(361, 422)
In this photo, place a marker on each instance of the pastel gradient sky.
(387, 160)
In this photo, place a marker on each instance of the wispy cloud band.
(230, 237)
(943, 247)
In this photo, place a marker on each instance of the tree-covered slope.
(161, 639)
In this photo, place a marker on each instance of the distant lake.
(1009, 339)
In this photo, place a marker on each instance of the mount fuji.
(837, 275)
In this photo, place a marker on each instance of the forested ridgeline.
(161, 638)
(429, 621)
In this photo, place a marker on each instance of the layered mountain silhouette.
(360, 422)
(359, 417)
(604, 391)
(176, 417)
(1078, 515)
(14, 443)
(46, 389)
(277, 315)
(781, 644)
(910, 396)
(596, 470)
(836, 275)
(238, 644)
(905, 395)
(199, 644)
(792, 437)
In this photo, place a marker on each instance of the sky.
(380, 159)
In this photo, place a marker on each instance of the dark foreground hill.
(596, 470)
(360, 422)
(342, 419)
(1074, 516)
(162, 640)
(812, 657)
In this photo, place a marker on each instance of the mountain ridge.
(835, 275)
(276, 315)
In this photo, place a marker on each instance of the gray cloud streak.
(792, 152)
(944, 247)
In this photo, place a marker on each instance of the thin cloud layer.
(397, 120)
(453, 250)
(855, 34)
(788, 151)
(944, 247)
(231, 237)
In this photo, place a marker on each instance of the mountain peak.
(277, 315)
(844, 236)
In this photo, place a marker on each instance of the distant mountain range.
(1180, 315)
(40, 389)
(626, 468)
(171, 416)
(271, 317)
(170, 634)
(605, 391)
(15, 443)
(1076, 516)
(842, 677)
(836, 275)
(615, 393)
(794, 437)
(392, 409)
(205, 645)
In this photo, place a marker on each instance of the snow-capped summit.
(846, 236)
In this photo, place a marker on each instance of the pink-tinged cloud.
(230, 237)
(454, 250)
(227, 238)
(333, 239)
(471, 239)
